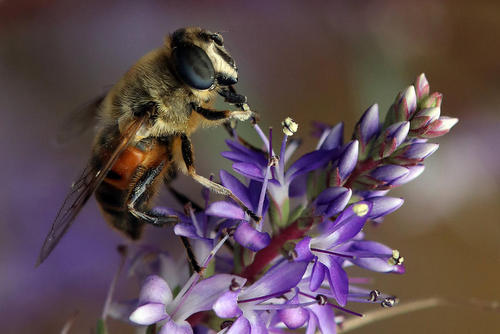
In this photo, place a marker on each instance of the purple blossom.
(291, 270)
(156, 302)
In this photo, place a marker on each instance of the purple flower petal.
(414, 172)
(367, 194)
(257, 324)
(348, 159)
(317, 276)
(249, 170)
(334, 138)
(254, 189)
(298, 186)
(420, 151)
(186, 230)
(155, 290)
(204, 295)
(346, 226)
(250, 238)
(226, 210)
(176, 328)
(338, 279)
(293, 318)
(368, 125)
(398, 132)
(281, 277)
(333, 200)
(226, 305)
(325, 318)
(240, 326)
(384, 205)
(374, 263)
(389, 173)
(312, 324)
(250, 155)
(233, 184)
(310, 161)
(235, 156)
(149, 314)
(302, 248)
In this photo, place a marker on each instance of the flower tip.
(422, 86)
(148, 314)
(348, 160)
(408, 104)
(368, 125)
(290, 127)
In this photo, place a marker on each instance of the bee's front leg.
(219, 116)
(232, 97)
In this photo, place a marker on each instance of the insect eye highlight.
(193, 66)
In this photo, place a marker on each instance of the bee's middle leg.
(187, 154)
(140, 191)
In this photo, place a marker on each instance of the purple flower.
(156, 302)
(245, 234)
(325, 250)
(249, 304)
(292, 268)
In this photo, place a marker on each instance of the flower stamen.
(389, 301)
(333, 253)
(276, 294)
(396, 258)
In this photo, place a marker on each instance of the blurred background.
(315, 60)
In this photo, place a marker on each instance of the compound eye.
(193, 66)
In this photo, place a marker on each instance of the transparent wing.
(78, 121)
(82, 189)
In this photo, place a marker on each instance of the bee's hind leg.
(142, 190)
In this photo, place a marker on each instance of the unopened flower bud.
(424, 117)
(348, 160)
(414, 153)
(431, 101)
(387, 143)
(368, 126)
(407, 105)
(440, 127)
(389, 173)
(422, 88)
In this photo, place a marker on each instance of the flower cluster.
(290, 269)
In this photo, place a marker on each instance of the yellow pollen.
(360, 209)
(396, 258)
(395, 253)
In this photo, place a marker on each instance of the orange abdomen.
(113, 193)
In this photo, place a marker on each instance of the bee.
(143, 132)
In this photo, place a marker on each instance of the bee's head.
(200, 59)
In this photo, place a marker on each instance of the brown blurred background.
(315, 60)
